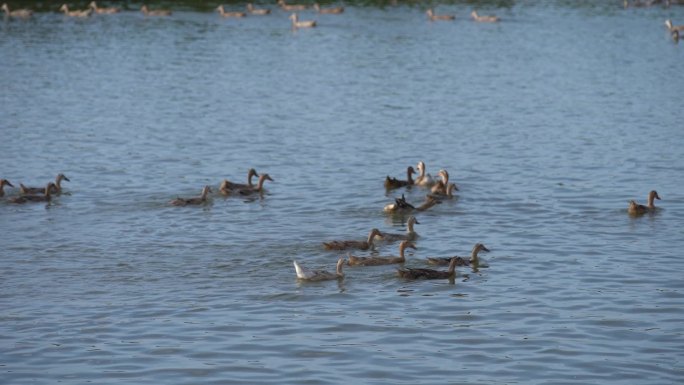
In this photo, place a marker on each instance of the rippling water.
(549, 122)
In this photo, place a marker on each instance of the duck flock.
(438, 189)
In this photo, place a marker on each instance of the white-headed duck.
(423, 179)
(194, 200)
(433, 17)
(409, 236)
(56, 187)
(637, 209)
(409, 273)
(319, 275)
(484, 18)
(18, 13)
(461, 261)
(389, 260)
(392, 183)
(361, 245)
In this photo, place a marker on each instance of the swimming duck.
(301, 24)
(484, 18)
(637, 209)
(423, 180)
(375, 261)
(259, 189)
(155, 12)
(392, 183)
(291, 7)
(361, 245)
(401, 205)
(227, 186)
(223, 13)
(103, 11)
(3, 183)
(460, 261)
(18, 13)
(46, 197)
(194, 200)
(257, 11)
(319, 275)
(409, 236)
(56, 189)
(447, 195)
(678, 28)
(80, 13)
(441, 186)
(331, 10)
(432, 17)
(410, 273)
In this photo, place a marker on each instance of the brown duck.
(3, 183)
(227, 186)
(56, 189)
(460, 261)
(393, 183)
(637, 209)
(375, 261)
(361, 245)
(409, 273)
(194, 200)
(46, 197)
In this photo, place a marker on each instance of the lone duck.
(394, 183)
(227, 186)
(460, 261)
(361, 245)
(259, 189)
(56, 189)
(291, 7)
(194, 200)
(400, 205)
(18, 13)
(301, 24)
(155, 12)
(305, 274)
(424, 180)
(257, 11)
(3, 183)
(46, 197)
(80, 13)
(432, 17)
(409, 273)
(223, 13)
(330, 10)
(447, 195)
(375, 261)
(103, 11)
(637, 209)
(409, 236)
(484, 18)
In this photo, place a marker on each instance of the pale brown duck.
(227, 186)
(484, 18)
(17, 13)
(259, 189)
(234, 14)
(637, 209)
(202, 199)
(329, 10)
(155, 12)
(296, 23)
(257, 11)
(103, 11)
(434, 17)
(80, 13)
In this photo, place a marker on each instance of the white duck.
(319, 275)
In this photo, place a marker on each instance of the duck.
(257, 11)
(670, 27)
(411, 273)
(80, 13)
(223, 13)
(432, 17)
(410, 235)
(460, 261)
(301, 24)
(449, 194)
(441, 186)
(56, 189)
(361, 245)
(401, 205)
(3, 183)
(330, 11)
(227, 186)
(259, 189)
(46, 197)
(194, 200)
(394, 183)
(389, 260)
(291, 7)
(155, 12)
(484, 18)
(305, 274)
(637, 209)
(423, 180)
(103, 11)
(18, 13)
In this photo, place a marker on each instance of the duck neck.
(409, 175)
(339, 271)
(473, 254)
(651, 201)
(452, 267)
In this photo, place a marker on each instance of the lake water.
(549, 122)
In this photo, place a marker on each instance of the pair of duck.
(227, 188)
(479, 18)
(407, 273)
(35, 194)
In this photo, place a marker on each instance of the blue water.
(549, 122)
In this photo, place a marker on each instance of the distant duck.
(103, 11)
(410, 234)
(460, 261)
(331, 10)
(409, 273)
(291, 7)
(18, 13)
(194, 200)
(46, 197)
(424, 180)
(56, 189)
(257, 11)
(81, 13)
(227, 186)
(3, 183)
(441, 186)
(361, 245)
(671, 28)
(451, 187)
(301, 24)
(484, 18)
(319, 275)
(400, 205)
(637, 209)
(223, 13)
(393, 183)
(432, 17)
(259, 189)
(389, 260)
(155, 12)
